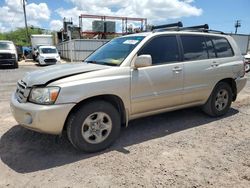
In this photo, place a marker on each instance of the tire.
(16, 65)
(34, 57)
(247, 67)
(219, 101)
(86, 130)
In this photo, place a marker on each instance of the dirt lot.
(179, 149)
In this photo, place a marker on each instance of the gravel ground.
(184, 148)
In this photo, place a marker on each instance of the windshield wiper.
(101, 63)
(91, 62)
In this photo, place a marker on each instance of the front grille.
(5, 56)
(50, 60)
(22, 92)
(6, 62)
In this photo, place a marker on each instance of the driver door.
(161, 85)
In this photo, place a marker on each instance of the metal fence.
(79, 49)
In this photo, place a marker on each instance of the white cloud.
(154, 10)
(56, 25)
(74, 14)
(38, 11)
(11, 14)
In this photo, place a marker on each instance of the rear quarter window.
(222, 47)
(194, 47)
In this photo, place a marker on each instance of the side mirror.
(59, 53)
(143, 61)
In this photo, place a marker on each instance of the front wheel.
(219, 101)
(94, 126)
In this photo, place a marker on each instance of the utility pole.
(236, 25)
(25, 19)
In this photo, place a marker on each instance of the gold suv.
(130, 77)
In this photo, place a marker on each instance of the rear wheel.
(34, 57)
(94, 126)
(247, 67)
(219, 101)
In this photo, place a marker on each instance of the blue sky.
(219, 14)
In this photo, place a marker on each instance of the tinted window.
(210, 48)
(222, 47)
(5, 45)
(194, 47)
(163, 49)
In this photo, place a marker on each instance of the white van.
(48, 55)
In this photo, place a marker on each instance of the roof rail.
(215, 31)
(205, 26)
(177, 24)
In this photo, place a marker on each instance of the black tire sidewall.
(219, 87)
(82, 114)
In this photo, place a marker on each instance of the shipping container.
(79, 49)
(242, 42)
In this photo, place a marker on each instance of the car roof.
(47, 47)
(7, 41)
(152, 33)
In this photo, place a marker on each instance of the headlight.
(13, 56)
(47, 95)
(57, 57)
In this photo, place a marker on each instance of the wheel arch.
(115, 100)
(231, 82)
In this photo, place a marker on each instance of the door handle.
(215, 64)
(177, 69)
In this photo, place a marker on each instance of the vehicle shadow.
(26, 151)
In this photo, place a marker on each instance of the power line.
(25, 20)
(236, 25)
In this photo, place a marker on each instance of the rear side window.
(222, 47)
(163, 49)
(194, 47)
(210, 48)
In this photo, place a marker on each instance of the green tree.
(19, 36)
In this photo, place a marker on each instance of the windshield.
(5, 46)
(114, 52)
(48, 50)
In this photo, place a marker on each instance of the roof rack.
(172, 25)
(179, 27)
(205, 26)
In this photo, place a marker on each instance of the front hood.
(55, 72)
(7, 51)
(247, 56)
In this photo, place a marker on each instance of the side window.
(163, 49)
(222, 47)
(194, 47)
(210, 48)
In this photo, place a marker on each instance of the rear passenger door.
(158, 86)
(224, 54)
(198, 68)
(204, 58)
